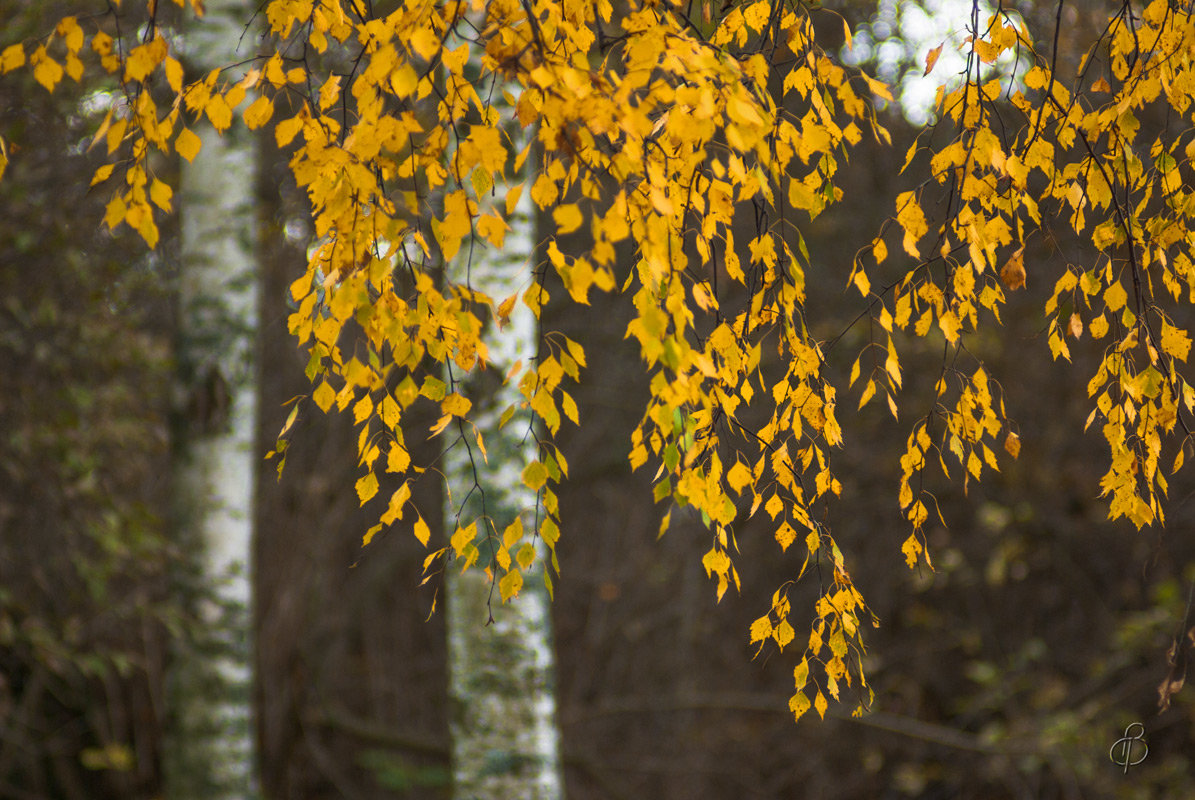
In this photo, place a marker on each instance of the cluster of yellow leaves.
(648, 131)
(139, 130)
(1075, 156)
(700, 323)
(48, 65)
(704, 141)
(686, 131)
(954, 278)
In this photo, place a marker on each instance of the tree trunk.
(505, 740)
(210, 752)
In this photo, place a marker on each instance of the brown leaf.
(1176, 657)
(1075, 327)
(1013, 271)
(931, 59)
(1012, 444)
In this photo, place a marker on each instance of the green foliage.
(83, 452)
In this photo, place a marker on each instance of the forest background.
(1008, 671)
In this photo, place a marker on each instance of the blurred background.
(1008, 672)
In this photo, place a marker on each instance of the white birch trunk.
(211, 749)
(505, 740)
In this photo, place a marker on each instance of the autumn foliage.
(702, 137)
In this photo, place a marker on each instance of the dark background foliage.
(84, 462)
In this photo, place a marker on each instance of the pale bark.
(505, 740)
(211, 748)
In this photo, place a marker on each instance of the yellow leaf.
(1175, 341)
(512, 198)
(403, 79)
(912, 550)
(510, 585)
(493, 229)
(716, 562)
(773, 506)
(46, 70)
(785, 535)
(433, 388)
(456, 405)
(439, 425)
(398, 502)
(324, 396)
(544, 191)
(504, 310)
(801, 674)
(568, 218)
(1115, 297)
(525, 557)
(879, 250)
(367, 487)
(879, 88)
(115, 212)
(950, 326)
(463, 538)
(784, 634)
(115, 135)
(535, 475)
(219, 113)
(513, 533)
(144, 224)
(820, 704)
(761, 629)
(397, 459)
(174, 73)
(101, 43)
(862, 283)
(102, 174)
(892, 364)
(974, 465)
(74, 67)
(12, 57)
(1037, 78)
(738, 477)
(798, 704)
(161, 194)
(144, 59)
(910, 217)
(425, 43)
(570, 407)
(258, 113)
(187, 144)
(390, 412)
(286, 130)
(868, 392)
(329, 93)
(362, 409)
(838, 644)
